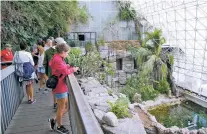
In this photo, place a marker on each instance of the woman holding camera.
(61, 69)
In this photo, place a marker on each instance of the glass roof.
(184, 25)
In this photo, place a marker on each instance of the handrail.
(6, 72)
(11, 96)
(82, 118)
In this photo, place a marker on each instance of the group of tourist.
(48, 57)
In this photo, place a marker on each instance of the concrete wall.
(104, 21)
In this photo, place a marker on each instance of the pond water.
(187, 114)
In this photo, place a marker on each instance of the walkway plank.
(32, 119)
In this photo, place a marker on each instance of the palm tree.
(148, 57)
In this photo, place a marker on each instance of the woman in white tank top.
(40, 69)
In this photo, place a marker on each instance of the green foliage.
(75, 57)
(100, 42)
(163, 86)
(71, 43)
(153, 69)
(89, 47)
(139, 85)
(120, 107)
(29, 20)
(90, 63)
(126, 12)
(171, 59)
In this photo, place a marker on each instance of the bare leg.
(60, 110)
(30, 91)
(41, 80)
(54, 98)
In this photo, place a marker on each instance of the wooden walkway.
(32, 118)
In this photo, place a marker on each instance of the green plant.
(139, 85)
(71, 42)
(120, 107)
(100, 42)
(75, 57)
(152, 65)
(126, 12)
(163, 86)
(29, 20)
(89, 47)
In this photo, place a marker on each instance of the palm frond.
(140, 54)
(163, 70)
(171, 59)
(149, 65)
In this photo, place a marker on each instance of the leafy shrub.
(163, 86)
(75, 57)
(120, 107)
(29, 20)
(89, 47)
(139, 85)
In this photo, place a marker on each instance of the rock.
(110, 119)
(137, 98)
(103, 108)
(103, 94)
(160, 128)
(193, 131)
(126, 126)
(151, 130)
(183, 131)
(174, 129)
(120, 95)
(131, 107)
(152, 118)
(169, 94)
(99, 115)
(115, 96)
(202, 131)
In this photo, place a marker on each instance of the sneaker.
(55, 106)
(45, 91)
(62, 130)
(38, 90)
(52, 123)
(29, 101)
(32, 101)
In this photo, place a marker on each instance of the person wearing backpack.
(61, 70)
(24, 69)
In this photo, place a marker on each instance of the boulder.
(126, 126)
(99, 115)
(160, 128)
(131, 107)
(202, 131)
(110, 119)
(103, 108)
(137, 98)
(193, 132)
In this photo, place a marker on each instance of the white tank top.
(40, 60)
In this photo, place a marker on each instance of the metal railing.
(5, 64)
(11, 96)
(81, 116)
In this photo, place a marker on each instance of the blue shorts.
(62, 95)
(41, 70)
